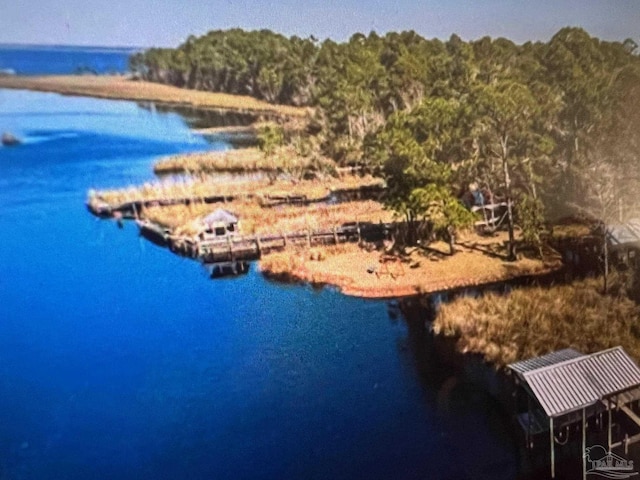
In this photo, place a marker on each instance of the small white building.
(220, 223)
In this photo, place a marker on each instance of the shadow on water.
(476, 428)
(200, 118)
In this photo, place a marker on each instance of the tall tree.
(416, 150)
(507, 134)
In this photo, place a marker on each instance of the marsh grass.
(258, 219)
(289, 264)
(199, 186)
(285, 159)
(121, 87)
(534, 321)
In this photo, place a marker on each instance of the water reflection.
(476, 429)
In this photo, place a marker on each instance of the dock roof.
(524, 366)
(577, 382)
(220, 216)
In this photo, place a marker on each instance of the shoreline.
(358, 273)
(121, 87)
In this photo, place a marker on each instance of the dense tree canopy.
(530, 123)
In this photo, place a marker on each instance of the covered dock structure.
(624, 242)
(567, 388)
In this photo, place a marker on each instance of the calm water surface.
(45, 60)
(121, 360)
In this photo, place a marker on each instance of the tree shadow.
(493, 250)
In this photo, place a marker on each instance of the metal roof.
(625, 233)
(220, 216)
(544, 361)
(579, 382)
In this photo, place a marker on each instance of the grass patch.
(534, 321)
(121, 87)
(242, 161)
(256, 219)
(199, 186)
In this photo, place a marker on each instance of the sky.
(145, 23)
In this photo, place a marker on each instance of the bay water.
(121, 360)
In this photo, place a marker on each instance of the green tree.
(270, 140)
(445, 212)
(416, 150)
(506, 133)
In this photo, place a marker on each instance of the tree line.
(548, 128)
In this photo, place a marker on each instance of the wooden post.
(335, 235)
(258, 246)
(359, 234)
(626, 443)
(284, 239)
(553, 456)
(584, 444)
(609, 426)
(528, 422)
(308, 237)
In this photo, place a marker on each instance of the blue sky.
(169, 22)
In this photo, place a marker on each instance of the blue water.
(120, 360)
(45, 60)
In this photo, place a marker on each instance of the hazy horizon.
(145, 23)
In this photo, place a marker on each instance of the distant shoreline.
(121, 87)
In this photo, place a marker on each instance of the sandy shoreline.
(359, 273)
(119, 87)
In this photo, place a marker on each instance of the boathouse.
(219, 223)
(624, 242)
(566, 388)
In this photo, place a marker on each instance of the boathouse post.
(258, 246)
(335, 235)
(359, 234)
(553, 456)
(584, 444)
(528, 422)
(609, 426)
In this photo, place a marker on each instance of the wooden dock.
(132, 209)
(251, 247)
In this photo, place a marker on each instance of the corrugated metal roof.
(544, 361)
(576, 383)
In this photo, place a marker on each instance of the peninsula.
(124, 87)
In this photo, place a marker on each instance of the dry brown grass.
(240, 161)
(534, 321)
(168, 189)
(415, 272)
(121, 87)
(288, 265)
(205, 185)
(256, 219)
(571, 230)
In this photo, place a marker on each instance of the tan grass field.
(256, 219)
(238, 161)
(121, 87)
(534, 321)
(416, 273)
(206, 185)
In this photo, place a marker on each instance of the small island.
(9, 140)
